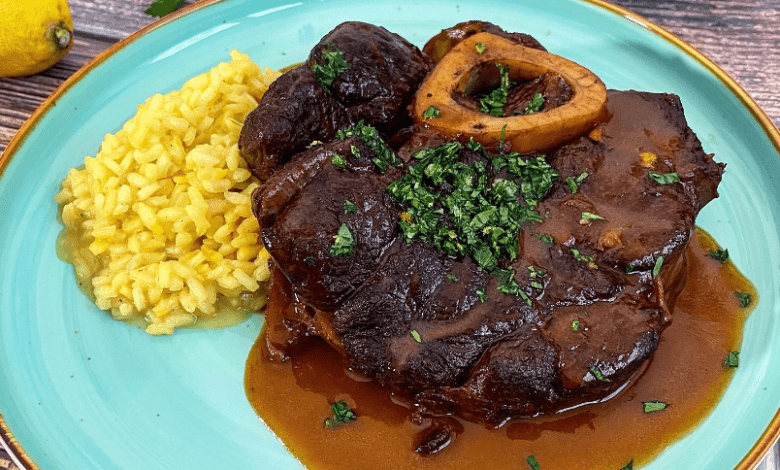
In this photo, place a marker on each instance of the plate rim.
(770, 435)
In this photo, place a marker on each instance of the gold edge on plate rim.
(769, 436)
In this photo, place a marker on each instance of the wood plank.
(739, 35)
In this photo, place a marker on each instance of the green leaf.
(721, 255)
(160, 8)
(732, 360)
(480, 48)
(338, 161)
(653, 406)
(333, 66)
(629, 466)
(531, 460)
(493, 103)
(482, 295)
(744, 298)
(657, 267)
(598, 374)
(342, 246)
(575, 325)
(342, 414)
(416, 336)
(664, 178)
(452, 277)
(535, 105)
(432, 112)
(586, 217)
(310, 261)
(350, 207)
(547, 239)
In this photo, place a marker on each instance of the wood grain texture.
(742, 36)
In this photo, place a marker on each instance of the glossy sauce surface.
(686, 372)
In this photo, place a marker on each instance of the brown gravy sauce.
(686, 371)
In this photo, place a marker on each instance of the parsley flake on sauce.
(732, 360)
(432, 112)
(480, 48)
(309, 260)
(629, 466)
(342, 414)
(327, 72)
(721, 256)
(575, 325)
(663, 178)
(588, 217)
(483, 297)
(598, 374)
(338, 160)
(350, 207)
(744, 298)
(657, 268)
(531, 460)
(574, 183)
(452, 277)
(653, 406)
(342, 246)
(416, 336)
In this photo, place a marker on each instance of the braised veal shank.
(595, 292)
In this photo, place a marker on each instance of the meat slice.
(594, 292)
(378, 77)
(384, 71)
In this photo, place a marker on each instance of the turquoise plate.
(81, 391)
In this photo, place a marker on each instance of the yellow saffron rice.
(159, 220)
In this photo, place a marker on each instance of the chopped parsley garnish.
(508, 285)
(531, 460)
(598, 374)
(370, 136)
(732, 360)
(653, 406)
(493, 103)
(416, 336)
(535, 105)
(575, 325)
(720, 256)
(480, 48)
(432, 112)
(350, 207)
(657, 267)
(342, 414)
(587, 259)
(629, 466)
(327, 72)
(457, 208)
(452, 277)
(546, 239)
(338, 160)
(574, 183)
(588, 217)
(342, 246)
(663, 178)
(630, 268)
(534, 272)
(483, 297)
(310, 261)
(744, 298)
(355, 152)
(314, 143)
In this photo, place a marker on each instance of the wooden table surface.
(742, 36)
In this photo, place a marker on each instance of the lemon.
(34, 35)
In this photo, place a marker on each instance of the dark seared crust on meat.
(383, 73)
(502, 357)
(418, 321)
(302, 207)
